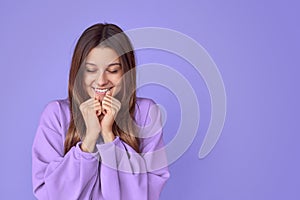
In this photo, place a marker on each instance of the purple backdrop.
(255, 45)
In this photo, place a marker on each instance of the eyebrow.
(111, 64)
(87, 63)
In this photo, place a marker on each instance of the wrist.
(108, 136)
(88, 145)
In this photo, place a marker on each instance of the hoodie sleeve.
(55, 175)
(125, 174)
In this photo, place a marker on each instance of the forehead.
(102, 56)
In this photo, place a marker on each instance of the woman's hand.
(98, 119)
(90, 111)
(110, 109)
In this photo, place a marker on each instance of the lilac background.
(255, 44)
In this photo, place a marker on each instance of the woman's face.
(103, 72)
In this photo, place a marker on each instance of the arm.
(55, 175)
(128, 175)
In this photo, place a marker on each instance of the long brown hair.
(111, 36)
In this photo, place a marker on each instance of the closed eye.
(113, 71)
(91, 70)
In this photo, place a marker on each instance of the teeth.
(101, 90)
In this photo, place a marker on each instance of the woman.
(102, 142)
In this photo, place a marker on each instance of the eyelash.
(93, 71)
(113, 72)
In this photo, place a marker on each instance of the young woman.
(102, 142)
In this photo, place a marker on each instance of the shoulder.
(57, 107)
(51, 130)
(145, 108)
(144, 103)
(56, 114)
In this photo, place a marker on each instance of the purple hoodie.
(114, 172)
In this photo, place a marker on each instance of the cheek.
(119, 79)
(88, 79)
(115, 79)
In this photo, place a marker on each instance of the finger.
(97, 107)
(106, 107)
(100, 117)
(90, 100)
(106, 104)
(112, 99)
(111, 104)
(107, 100)
(83, 104)
(87, 103)
(90, 105)
(110, 108)
(107, 97)
(96, 103)
(108, 93)
(98, 112)
(115, 103)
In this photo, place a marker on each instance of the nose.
(101, 79)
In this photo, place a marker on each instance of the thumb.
(108, 93)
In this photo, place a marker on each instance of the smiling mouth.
(101, 91)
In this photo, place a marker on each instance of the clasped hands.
(99, 118)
